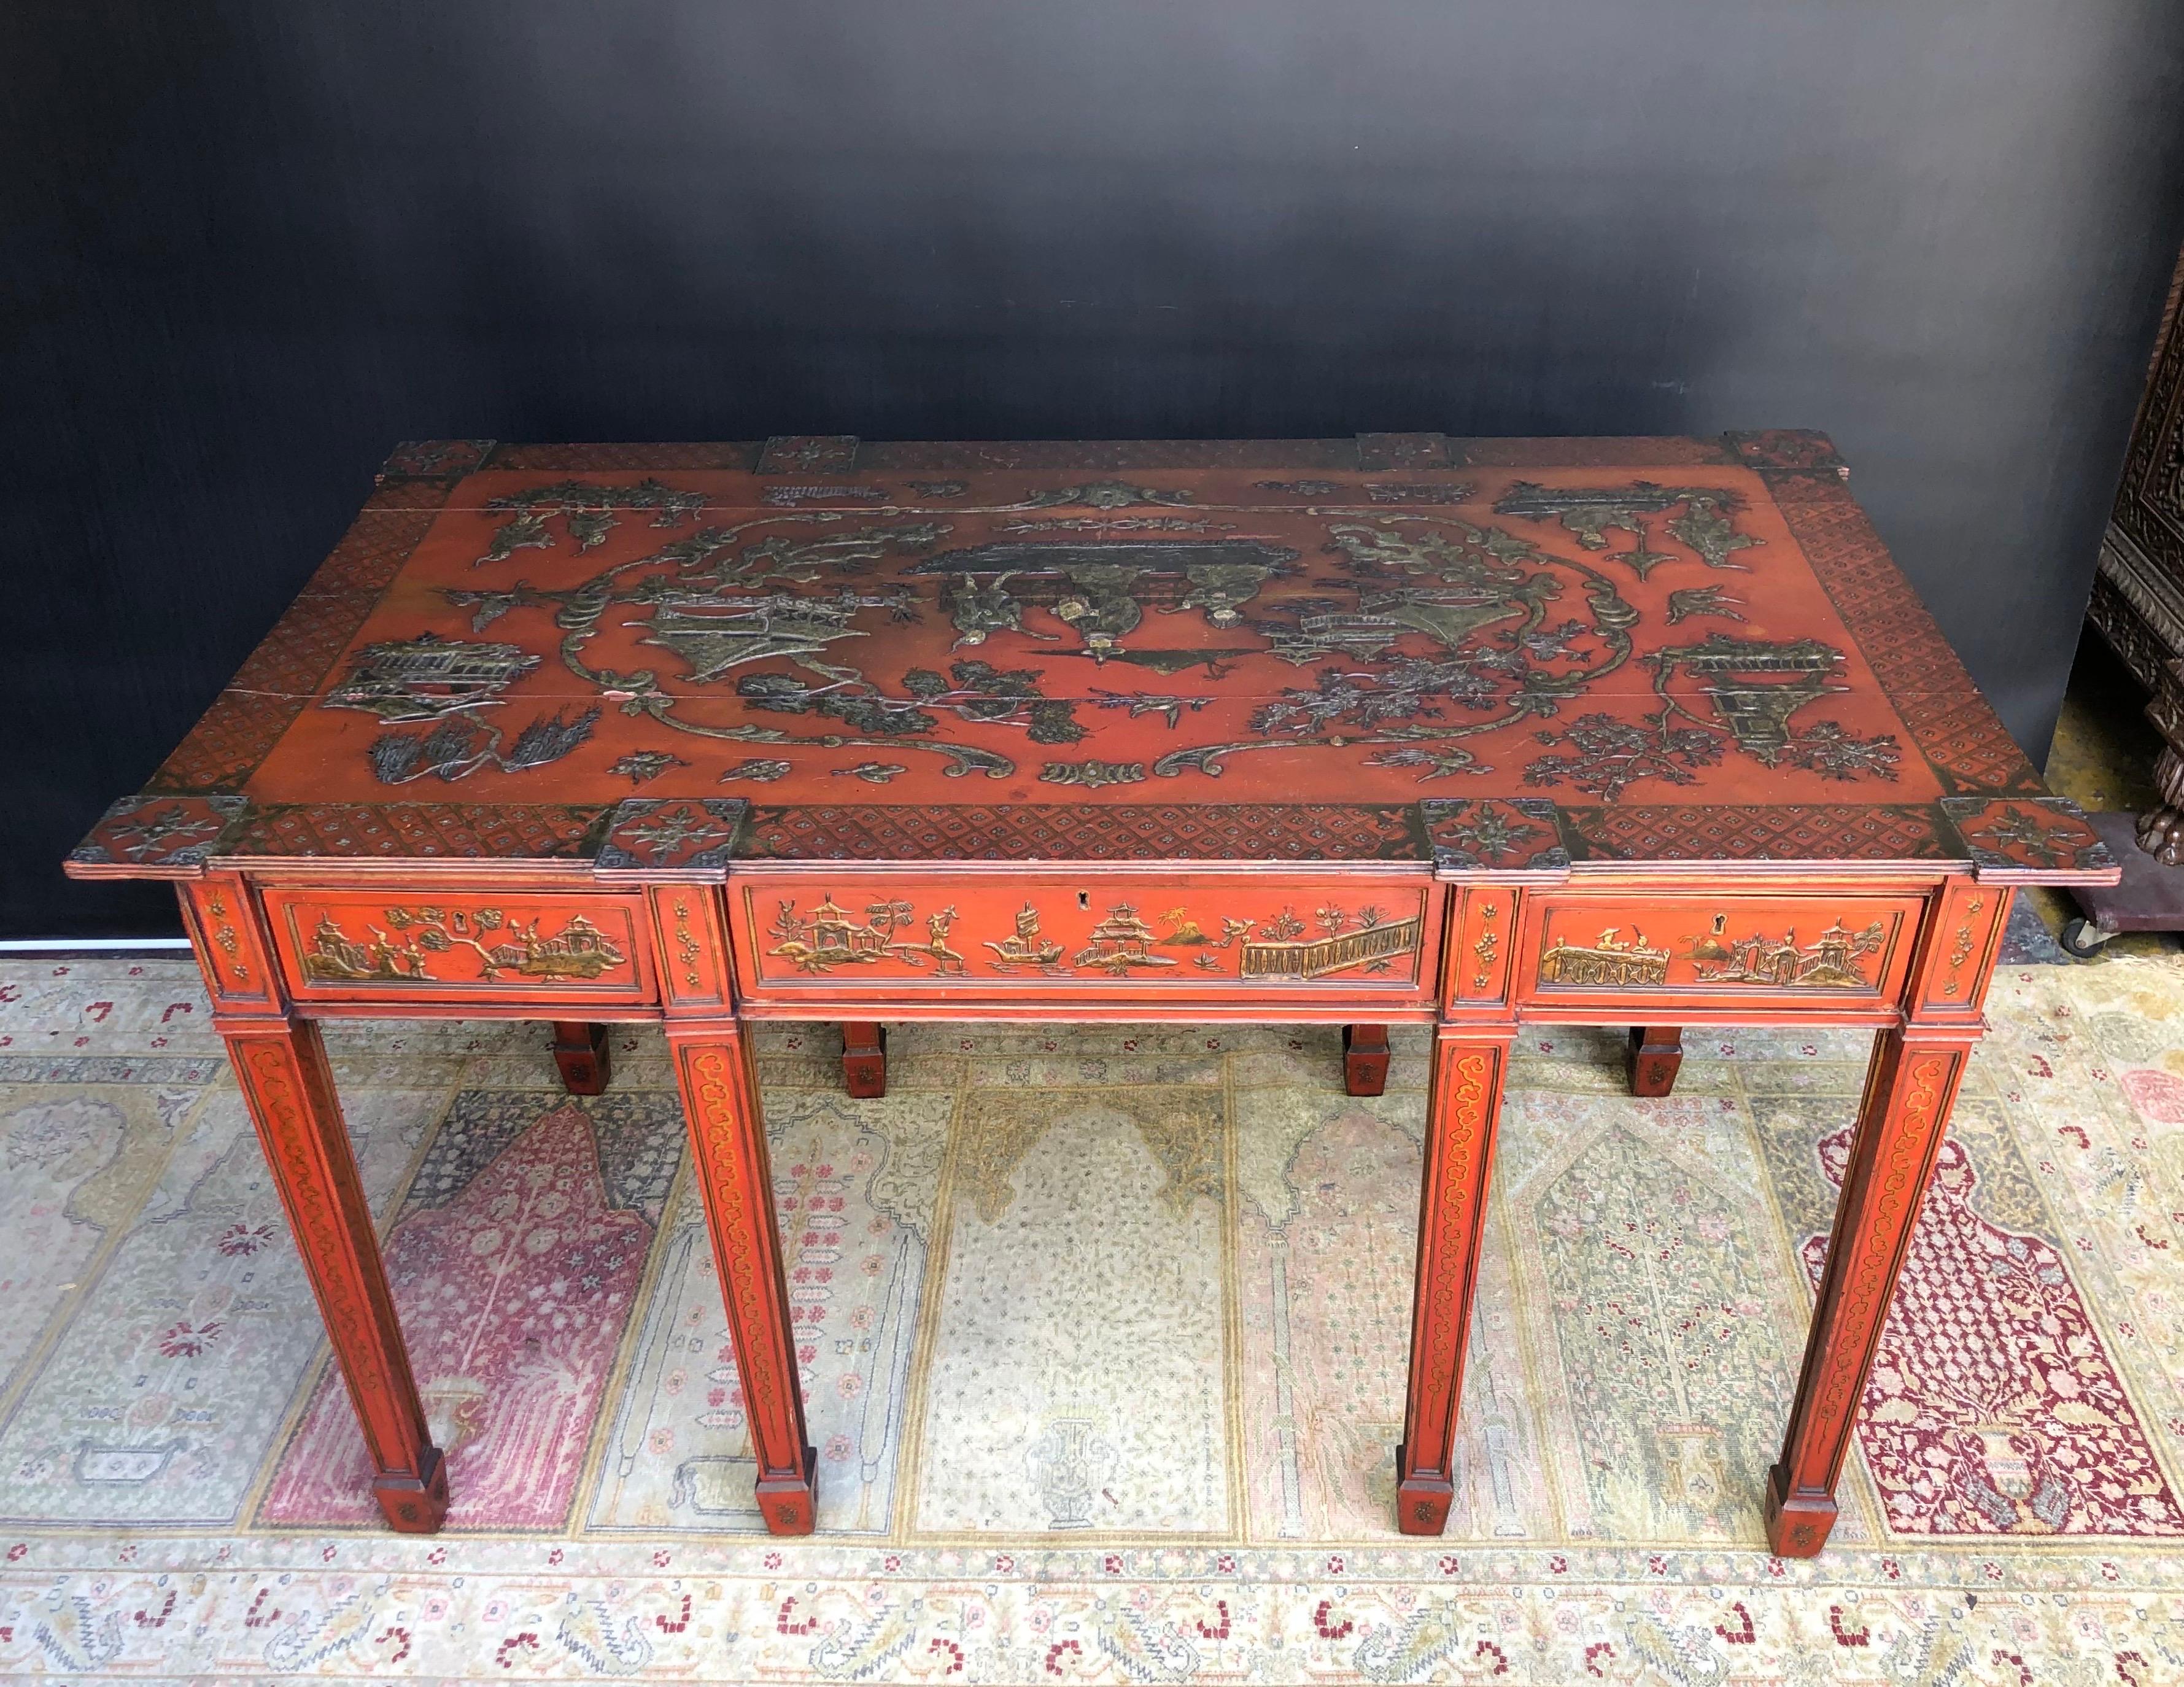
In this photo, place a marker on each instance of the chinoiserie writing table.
(1396, 729)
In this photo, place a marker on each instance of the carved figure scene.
(405, 947)
(1610, 961)
(1575, 640)
(830, 936)
(1829, 962)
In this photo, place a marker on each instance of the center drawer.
(1096, 935)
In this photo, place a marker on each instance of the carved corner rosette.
(1518, 839)
(2029, 840)
(671, 837)
(153, 836)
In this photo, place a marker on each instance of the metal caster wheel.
(2082, 939)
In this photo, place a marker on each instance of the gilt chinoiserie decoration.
(1396, 729)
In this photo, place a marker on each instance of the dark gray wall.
(247, 247)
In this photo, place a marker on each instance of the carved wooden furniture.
(2137, 605)
(1394, 729)
(2137, 602)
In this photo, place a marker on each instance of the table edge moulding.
(310, 894)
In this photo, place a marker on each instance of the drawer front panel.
(1656, 951)
(357, 945)
(1084, 937)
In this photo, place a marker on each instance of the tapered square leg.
(580, 1050)
(281, 1067)
(1365, 1059)
(1463, 1106)
(1901, 1123)
(1656, 1053)
(728, 1152)
(864, 1059)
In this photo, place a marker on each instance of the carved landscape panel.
(1587, 635)
(1014, 936)
(396, 945)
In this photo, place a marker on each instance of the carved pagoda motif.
(580, 950)
(427, 676)
(829, 936)
(1120, 942)
(1829, 962)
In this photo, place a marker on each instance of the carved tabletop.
(1402, 727)
(1692, 649)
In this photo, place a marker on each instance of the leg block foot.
(580, 1051)
(1422, 1502)
(1365, 1059)
(1797, 1524)
(864, 1059)
(790, 1504)
(414, 1504)
(1656, 1052)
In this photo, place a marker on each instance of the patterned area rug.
(1102, 1332)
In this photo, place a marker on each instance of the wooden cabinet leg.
(1656, 1052)
(728, 1145)
(864, 1059)
(1463, 1105)
(1901, 1123)
(281, 1067)
(1365, 1059)
(581, 1052)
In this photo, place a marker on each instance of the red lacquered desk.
(1466, 733)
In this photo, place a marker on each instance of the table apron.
(1054, 945)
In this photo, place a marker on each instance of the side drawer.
(1656, 953)
(1078, 938)
(360, 945)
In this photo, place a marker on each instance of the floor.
(1102, 1335)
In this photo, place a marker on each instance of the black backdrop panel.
(248, 247)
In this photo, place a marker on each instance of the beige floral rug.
(1102, 1332)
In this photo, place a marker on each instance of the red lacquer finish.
(1463, 1107)
(1900, 1127)
(1365, 1059)
(1656, 1055)
(864, 1059)
(582, 1056)
(1397, 730)
(728, 1147)
(281, 1065)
